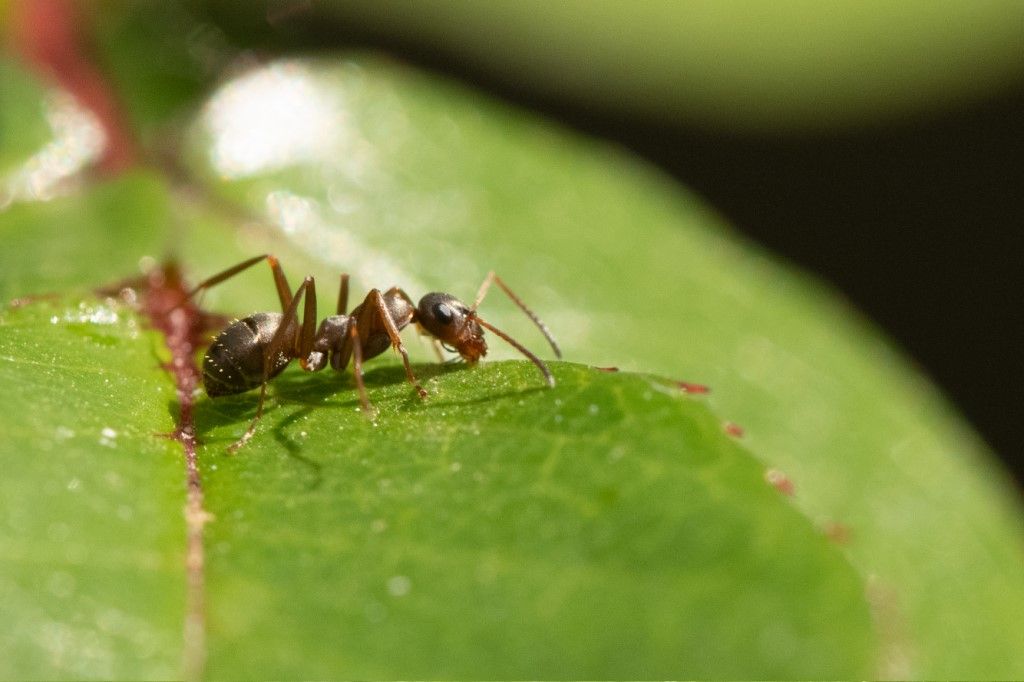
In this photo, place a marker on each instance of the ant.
(252, 351)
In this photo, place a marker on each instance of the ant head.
(453, 323)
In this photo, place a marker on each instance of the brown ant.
(252, 351)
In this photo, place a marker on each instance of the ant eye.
(442, 313)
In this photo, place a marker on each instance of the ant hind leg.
(380, 308)
(237, 445)
(284, 292)
(281, 345)
(357, 368)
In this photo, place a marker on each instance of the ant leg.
(305, 338)
(406, 297)
(277, 349)
(377, 299)
(357, 366)
(343, 294)
(284, 292)
(234, 447)
(492, 277)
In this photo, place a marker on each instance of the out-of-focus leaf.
(160, 59)
(788, 64)
(94, 241)
(23, 127)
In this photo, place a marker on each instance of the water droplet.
(108, 437)
(593, 409)
(61, 584)
(376, 612)
(74, 484)
(58, 532)
(780, 481)
(456, 466)
(399, 585)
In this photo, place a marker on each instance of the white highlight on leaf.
(78, 141)
(271, 118)
(399, 585)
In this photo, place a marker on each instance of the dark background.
(920, 221)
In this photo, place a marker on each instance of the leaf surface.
(608, 527)
(91, 573)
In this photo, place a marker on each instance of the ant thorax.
(328, 343)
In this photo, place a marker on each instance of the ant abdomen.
(235, 360)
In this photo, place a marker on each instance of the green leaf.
(601, 529)
(500, 529)
(91, 574)
(606, 528)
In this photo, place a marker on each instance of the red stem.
(50, 36)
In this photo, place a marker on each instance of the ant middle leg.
(343, 294)
(357, 366)
(379, 309)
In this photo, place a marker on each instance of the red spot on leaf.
(607, 369)
(837, 532)
(687, 387)
(780, 482)
(734, 430)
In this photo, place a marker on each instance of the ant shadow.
(309, 392)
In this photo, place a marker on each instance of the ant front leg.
(379, 308)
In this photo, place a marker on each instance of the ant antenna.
(492, 277)
(519, 347)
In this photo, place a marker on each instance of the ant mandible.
(252, 351)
